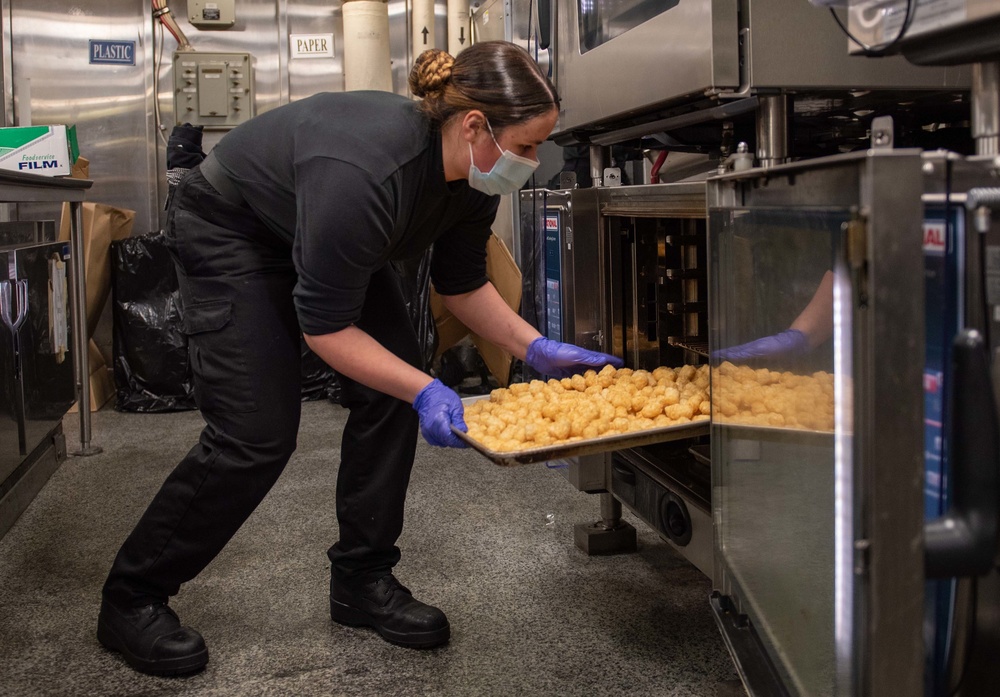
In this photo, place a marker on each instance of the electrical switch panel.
(214, 90)
(212, 14)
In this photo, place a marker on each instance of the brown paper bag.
(102, 225)
(506, 277)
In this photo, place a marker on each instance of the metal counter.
(30, 188)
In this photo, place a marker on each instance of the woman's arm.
(488, 315)
(354, 353)
(816, 320)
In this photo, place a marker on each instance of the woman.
(287, 228)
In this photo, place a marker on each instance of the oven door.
(817, 459)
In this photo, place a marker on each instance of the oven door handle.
(963, 542)
(544, 24)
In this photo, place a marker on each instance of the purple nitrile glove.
(564, 360)
(790, 342)
(440, 408)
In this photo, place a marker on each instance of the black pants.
(236, 281)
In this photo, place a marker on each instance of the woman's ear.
(473, 123)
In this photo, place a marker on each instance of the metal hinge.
(856, 230)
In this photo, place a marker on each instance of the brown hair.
(497, 77)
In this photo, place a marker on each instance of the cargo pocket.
(218, 363)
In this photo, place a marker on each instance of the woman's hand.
(563, 360)
(440, 408)
(790, 342)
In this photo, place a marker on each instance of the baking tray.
(777, 433)
(589, 446)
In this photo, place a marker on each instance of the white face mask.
(507, 175)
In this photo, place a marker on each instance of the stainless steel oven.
(623, 63)
(624, 270)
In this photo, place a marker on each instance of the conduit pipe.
(459, 37)
(422, 36)
(367, 62)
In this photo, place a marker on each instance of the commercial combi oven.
(654, 65)
(624, 270)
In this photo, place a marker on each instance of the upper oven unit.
(622, 63)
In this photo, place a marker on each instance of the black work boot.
(151, 639)
(390, 608)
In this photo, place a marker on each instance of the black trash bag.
(152, 372)
(415, 280)
(151, 367)
(318, 379)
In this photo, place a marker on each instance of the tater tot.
(653, 408)
(676, 411)
(663, 373)
(671, 396)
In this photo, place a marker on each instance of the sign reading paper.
(311, 45)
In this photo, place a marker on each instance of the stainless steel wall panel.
(255, 32)
(307, 76)
(7, 118)
(109, 104)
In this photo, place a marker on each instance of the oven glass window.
(603, 20)
(780, 420)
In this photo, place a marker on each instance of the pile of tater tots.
(611, 402)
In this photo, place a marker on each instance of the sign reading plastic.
(112, 52)
(311, 45)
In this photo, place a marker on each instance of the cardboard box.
(102, 225)
(46, 150)
(506, 277)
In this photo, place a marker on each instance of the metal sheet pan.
(589, 446)
(776, 433)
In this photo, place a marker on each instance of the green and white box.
(46, 150)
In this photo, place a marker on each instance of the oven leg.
(772, 130)
(986, 107)
(609, 535)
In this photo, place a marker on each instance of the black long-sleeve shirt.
(350, 181)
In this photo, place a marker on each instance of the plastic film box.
(46, 150)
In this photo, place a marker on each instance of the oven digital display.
(603, 20)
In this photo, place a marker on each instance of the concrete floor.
(493, 547)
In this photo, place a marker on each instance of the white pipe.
(367, 62)
(458, 26)
(422, 36)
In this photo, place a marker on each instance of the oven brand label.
(934, 239)
(112, 52)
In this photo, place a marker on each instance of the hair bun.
(431, 72)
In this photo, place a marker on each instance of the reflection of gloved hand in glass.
(563, 360)
(440, 408)
(790, 342)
